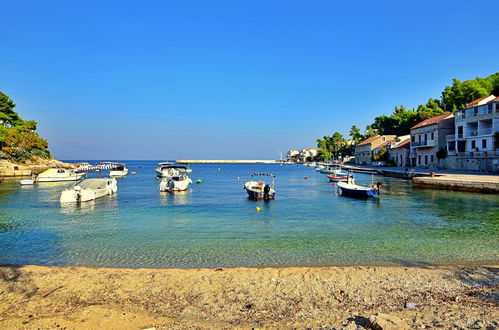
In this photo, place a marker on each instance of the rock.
(410, 305)
(380, 321)
(351, 326)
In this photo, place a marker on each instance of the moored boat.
(27, 182)
(174, 178)
(259, 189)
(354, 190)
(89, 189)
(163, 166)
(341, 177)
(118, 170)
(59, 174)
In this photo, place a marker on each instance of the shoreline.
(245, 298)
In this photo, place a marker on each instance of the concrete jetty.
(462, 182)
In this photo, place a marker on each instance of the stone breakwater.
(35, 166)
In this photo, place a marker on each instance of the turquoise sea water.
(215, 225)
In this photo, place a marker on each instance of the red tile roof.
(478, 100)
(368, 140)
(402, 144)
(432, 121)
(384, 144)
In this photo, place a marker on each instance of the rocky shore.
(245, 298)
(32, 166)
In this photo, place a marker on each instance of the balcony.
(423, 144)
(471, 133)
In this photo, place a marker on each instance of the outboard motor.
(171, 184)
(266, 191)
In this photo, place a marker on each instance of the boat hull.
(173, 186)
(363, 193)
(258, 195)
(117, 174)
(74, 177)
(77, 194)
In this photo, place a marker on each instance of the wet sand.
(245, 298)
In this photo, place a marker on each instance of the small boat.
(59, 174)
(27, 182)
(89, 190)
(118, 170)
(175, 179)
(354, 190)
(329, 169)
(163, 166)
(83, 166)
(341, 177)
(259, 189)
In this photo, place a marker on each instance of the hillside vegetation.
(18, 138)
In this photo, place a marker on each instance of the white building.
(472, 147)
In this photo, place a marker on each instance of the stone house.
(428, 137)
(364, 150)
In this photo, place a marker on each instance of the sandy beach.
(245, 298)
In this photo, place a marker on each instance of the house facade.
(428, 137)
(364, 150)
(472, 146)
(399, 151)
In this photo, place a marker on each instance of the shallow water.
(215, 225)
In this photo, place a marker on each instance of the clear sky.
(230, 79)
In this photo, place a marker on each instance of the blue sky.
(229, 79)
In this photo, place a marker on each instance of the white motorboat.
(118, 170)
(259, 189)
(174, 179)
(89, 190)
(27, 182)
(163, 166)
(59, 174)
(329, 169)
(83, 166)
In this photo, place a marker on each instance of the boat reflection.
(107, 202)
(176, 198)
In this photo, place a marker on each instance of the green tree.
(18, 139)
(355, 134)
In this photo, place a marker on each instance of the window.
(432, 136)
(419, 159)
(383, 139)
(460, 132)
(473, 144)
(431, 159)
(426, 159)
(413, 139)
(484, 144)
(419, 138)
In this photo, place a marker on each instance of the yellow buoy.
(219, 169)
(258, 209)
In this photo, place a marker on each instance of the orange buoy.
(134, 172)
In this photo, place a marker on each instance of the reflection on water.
(176, 198)
(213, 224)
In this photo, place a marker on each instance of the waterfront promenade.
(442, 179)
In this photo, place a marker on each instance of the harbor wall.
(456, 184)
